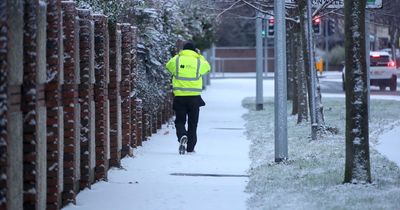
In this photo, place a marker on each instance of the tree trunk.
(393, 38)
(290, 66)
(301, 83)
(357, 166)
(320, 108)
(300, 106)
(305, 77)
(303, 31)
(291, 59)
(307, 66)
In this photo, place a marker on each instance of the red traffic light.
(271, 20)
(317, 20)
(316, 25)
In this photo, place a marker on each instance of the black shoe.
(191, 152)
(182, 145)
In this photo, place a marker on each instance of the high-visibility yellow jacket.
(187, 69)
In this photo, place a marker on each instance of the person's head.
(189, 46)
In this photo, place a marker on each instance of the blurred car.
(389, 50)
(382, 71)
(396, 59)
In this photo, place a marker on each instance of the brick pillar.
(139, 125)
(77, 107)
(126, 59)
(146, 124)
(86, 38)
(134, 76)
(33, 105)
(29, 103)
(149, 123)
(3, 105)
(154, 119)
(164, 111)
(107, 100)
(11, 73)
(69, 95)
(100, 95)
(53, 103)
(160, 116)
(114, 95)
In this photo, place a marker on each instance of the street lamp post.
(259, 62)
(281, 145)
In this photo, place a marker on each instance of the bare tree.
(295, 19)
(296, 66)
(357, 167)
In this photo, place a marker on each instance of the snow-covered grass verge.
(312, 177)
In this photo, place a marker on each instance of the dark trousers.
(187, 109)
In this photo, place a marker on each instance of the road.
(331, 82)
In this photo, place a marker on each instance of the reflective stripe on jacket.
(187, 69)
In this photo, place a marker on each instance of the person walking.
(187, 69)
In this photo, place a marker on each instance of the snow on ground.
(145, 182)
(390, 145)
(310, 180)
(313, 176)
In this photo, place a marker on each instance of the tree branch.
(230, 7)
(331, 12)
(323, 6)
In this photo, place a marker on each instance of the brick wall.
(240, 59)
(133, 74)
(114, 94)
(68, 108)
(53, 90)
(69, 96)
(100, 94)
(28, 104)
(126, 60)
(86, 48)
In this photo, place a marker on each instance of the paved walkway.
(222, 149)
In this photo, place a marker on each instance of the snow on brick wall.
(29, 104)
(69, 95)
(126, 47)
(100, 96)
(86, 95)
(89, 112)
(114, 93)
(53, 91)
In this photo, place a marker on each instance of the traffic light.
(316, 25)
(331, 27)
(264, 28)
(270, 27)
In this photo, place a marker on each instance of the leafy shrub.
(336, 55)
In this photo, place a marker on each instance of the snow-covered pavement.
(146, 183)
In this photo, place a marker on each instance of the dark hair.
(189, 46)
